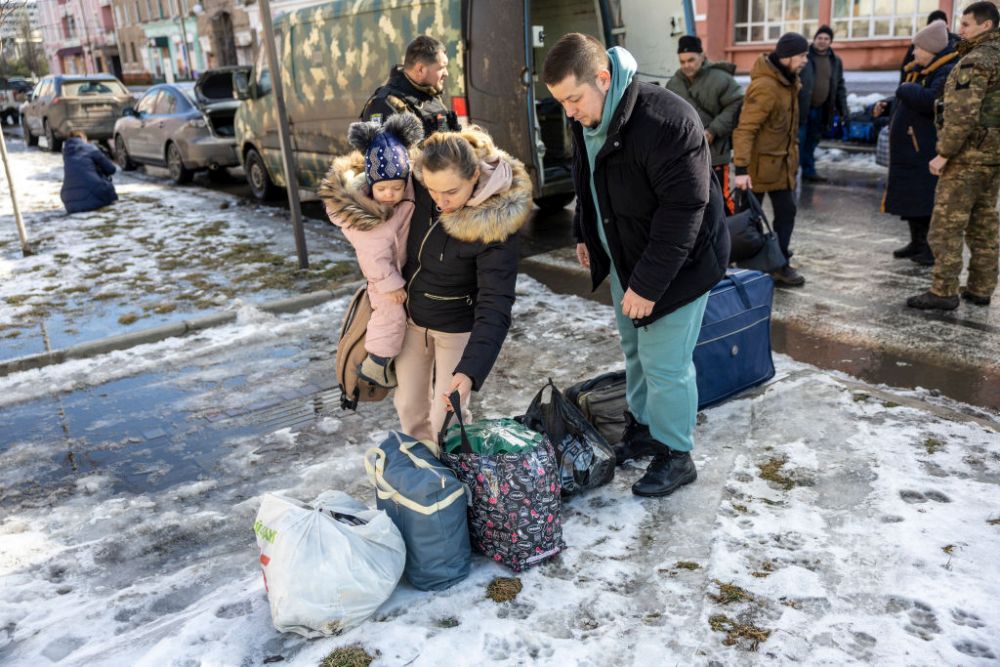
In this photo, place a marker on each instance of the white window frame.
(859, 24)
(773, 27)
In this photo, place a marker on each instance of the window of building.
(160, 5)
(875, 19)
(766, 20)
(149, 10)
(69, 27)
(135, 59)
(138, 16)
(118, 15)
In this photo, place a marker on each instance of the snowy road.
(873, 538)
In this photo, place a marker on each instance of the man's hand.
(937, 165)
(635, 307)
(397, 295)
(879, 109)
(709, 137)
(461, 383)
(582, 255)
(743, 182)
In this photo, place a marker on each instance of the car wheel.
(175, 165)
(121, 155)
(261, 185)
(55, 144)
(29, 138)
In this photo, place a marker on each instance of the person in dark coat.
(650, 216)
(913, 136)
(906, 67)
(86, 175)
(823, 94)
(470, 199)
(416, 86)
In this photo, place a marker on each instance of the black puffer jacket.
(662, 208)
(913, 139)
(461, 267)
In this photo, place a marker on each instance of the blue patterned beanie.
(386, 147)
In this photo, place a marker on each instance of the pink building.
(79, 36)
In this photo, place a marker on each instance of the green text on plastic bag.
(493, 436)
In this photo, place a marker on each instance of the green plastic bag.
(493, 436)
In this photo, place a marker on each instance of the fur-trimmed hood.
(348, 196)
(498, 217)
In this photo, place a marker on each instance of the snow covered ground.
(830, 524)
(160, 254)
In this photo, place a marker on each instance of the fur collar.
(500, 216)
(346, 194)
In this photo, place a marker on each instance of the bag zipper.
(420, 265)
(437, 297)
(913, 137)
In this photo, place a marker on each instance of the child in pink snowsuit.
(369, 195)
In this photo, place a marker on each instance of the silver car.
(183, 127)
(60, 104)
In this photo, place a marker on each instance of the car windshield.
(86, 88)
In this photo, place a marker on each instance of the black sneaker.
(636, 442)
(931, 301)
(814, 178)
(975, 298)
(666, 473)
(924, 256)
(786, 276)
(908, 250)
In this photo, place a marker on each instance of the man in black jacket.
(416, 87)
(823, 93)
(649, 215)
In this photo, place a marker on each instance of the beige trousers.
(424, 369)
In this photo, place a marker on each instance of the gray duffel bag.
(428, 504)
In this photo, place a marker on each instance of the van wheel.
(260, 182)
(554, 203)
(175, 165)
(55, 144)
(29, 138)
(121, 155)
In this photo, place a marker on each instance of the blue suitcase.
(733, 351)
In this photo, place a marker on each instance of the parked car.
(184, 127)
(62, 103)
(13, 92)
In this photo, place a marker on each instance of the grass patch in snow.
(447, 622)
(948, 549)
(686, 565)
(746, 635)
(770, 470)
(128, 318)
(729, 593)
(933, 445)
(994, 522)
(766, 569)
(349, 656)
(503, 589)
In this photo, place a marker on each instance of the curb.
(172, 330)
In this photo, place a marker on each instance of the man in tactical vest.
(968, 163)
(416, 87)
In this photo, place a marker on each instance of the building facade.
(21, 33)
(869, 34)
(79, 36)
(158, 40)
(227, 32)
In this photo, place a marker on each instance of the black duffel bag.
(746, 231)
(585, 458)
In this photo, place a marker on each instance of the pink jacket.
(377, 232)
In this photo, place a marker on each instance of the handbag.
(515, 515)
(746, 237)
(769, 258)
(882, 147)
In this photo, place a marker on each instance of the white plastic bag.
(324, 574)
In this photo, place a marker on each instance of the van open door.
(498, 78)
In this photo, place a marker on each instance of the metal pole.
(284, 136)
(184, 36)
(25, 246)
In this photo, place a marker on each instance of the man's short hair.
(79, 134)
(423, 50)
(937, 15)
(984, 11)
(577, 54)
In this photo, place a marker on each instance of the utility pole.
(184, 36)
(284, 136)
(25, 246)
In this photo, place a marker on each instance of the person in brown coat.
(765, 142)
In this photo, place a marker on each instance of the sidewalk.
(834, 521)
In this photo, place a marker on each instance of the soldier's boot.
(911, 248)
(975, 298)
(668, 471)
(931, 301)
(923, 256)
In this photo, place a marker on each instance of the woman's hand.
(397, 295)
(879, 109)
(461, 383)
(582, 255)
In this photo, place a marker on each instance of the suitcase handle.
(739, 282)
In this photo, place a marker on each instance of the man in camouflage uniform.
(416, 87)
(968, 163)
